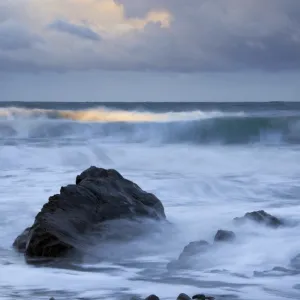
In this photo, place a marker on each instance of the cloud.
(74, 29)
(14, 37)
(162, 35)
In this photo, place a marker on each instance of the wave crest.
(103, 115)
(194, 127)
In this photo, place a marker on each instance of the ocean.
(207, 162)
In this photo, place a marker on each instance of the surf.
(181, 127)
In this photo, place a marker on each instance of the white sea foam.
(202, 188)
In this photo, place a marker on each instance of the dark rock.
(194, 248)
(224, 236)
(152, 297)
(295, 262)
(186, 256)
(99, 196)
(202, 297)
(260, 217)
(21, 240)
(183, 296)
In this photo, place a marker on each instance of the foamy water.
(203, 186)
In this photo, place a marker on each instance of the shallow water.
(203, 186)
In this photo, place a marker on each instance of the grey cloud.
(14, 37)
(204, 35)
(73, 29)
(222, 35)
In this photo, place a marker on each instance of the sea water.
(207, 162)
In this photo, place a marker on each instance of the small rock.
(152, 297)
(202, 297)
(187, 255)
(183, 296)
(224, 236)
(194, 248)
(260, 217)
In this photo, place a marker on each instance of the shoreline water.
(203, 186)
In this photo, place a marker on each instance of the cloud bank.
(158, 35)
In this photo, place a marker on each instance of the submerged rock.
(187, 256)
(84, 208)
(260, 217)
(224, 236)
(194, 248)
(202, 297)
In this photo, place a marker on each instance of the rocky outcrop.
(183, 296)
(260, 217)
(99, 196)
(224, 236)
(187, 256)
(152, 297)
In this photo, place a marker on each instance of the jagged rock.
(186, 256)
(194, 248)
(183, 296)
(224, 236)
(99, 196)
(260, 217)
(199, 247)
(21, 240)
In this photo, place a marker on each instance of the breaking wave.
(194, 127)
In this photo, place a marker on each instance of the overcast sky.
(243, 47)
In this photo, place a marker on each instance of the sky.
(149, 50)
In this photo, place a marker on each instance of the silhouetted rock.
(183, 296)
(152, 297)
(224, 236)
(260, 217)
(202, 297)
(99, 196)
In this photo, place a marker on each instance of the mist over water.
(208, 164)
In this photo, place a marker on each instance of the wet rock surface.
(260, 217)
(193, 249)
(224, 236)
(84, 208)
